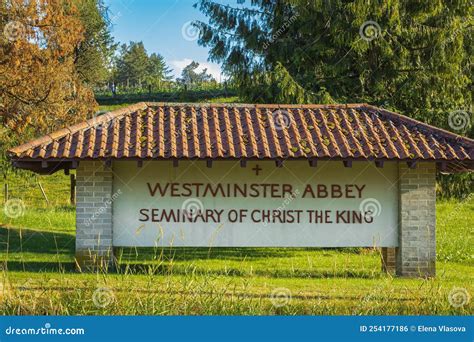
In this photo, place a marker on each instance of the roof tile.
(161, 130)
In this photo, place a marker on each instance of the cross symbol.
(257, 169)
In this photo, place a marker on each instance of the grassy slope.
(38, 278)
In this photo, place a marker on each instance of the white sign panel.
(259, 205)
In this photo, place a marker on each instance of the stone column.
(93, 216)
(416, 253)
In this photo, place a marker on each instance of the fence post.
(6, 192)
(73, 188)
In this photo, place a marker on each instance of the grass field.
(38, 275)
(230, 99)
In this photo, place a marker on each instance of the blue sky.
(163, 26)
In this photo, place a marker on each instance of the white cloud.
(212, 68)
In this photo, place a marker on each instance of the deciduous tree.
(40, 88)
(190, 76)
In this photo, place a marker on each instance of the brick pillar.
(389, 258)
(416, 253)
(93, 216)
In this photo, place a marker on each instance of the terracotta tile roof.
(220, 131)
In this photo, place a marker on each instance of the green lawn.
(38, 275)
(230, 99)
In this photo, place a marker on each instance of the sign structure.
(170, 174)
(256, 206)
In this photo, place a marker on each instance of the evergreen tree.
(134, 68)
(132, 64)
(410, 56)
(93, 55)
(157, 72)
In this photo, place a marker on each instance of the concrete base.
(91, 261)
(389, 260)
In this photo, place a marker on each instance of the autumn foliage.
(40, 89)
